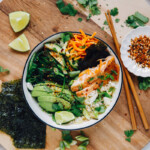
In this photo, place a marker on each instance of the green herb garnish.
(109, 76)
(112, 89)
(144, 83)
(84, 46)
(3, 70)
(66, 10)
(89, 16)
(80, 19)
(81, 138)
(80, 87)
(117, 20)
(105, 22)
(92, 4)
(136, 20)
(114, 11)
(101, 109)
(114, 72)
(66, 36)
(92, 78)
(128, 134)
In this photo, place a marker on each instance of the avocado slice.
(40, 93)
(47, 106)
(54, 99)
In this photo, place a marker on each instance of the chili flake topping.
(140, 50)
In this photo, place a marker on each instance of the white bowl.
(44, 116)
(130, 64)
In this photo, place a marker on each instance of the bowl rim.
(32, 51)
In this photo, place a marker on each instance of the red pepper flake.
(140, 50)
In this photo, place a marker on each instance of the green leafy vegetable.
(136, 20)
(117, 20)
(109, 76)
(66, 10)
(128, 134)
(66, 136)
(3, 70)
(66, 36)
(114, 11)
(81, 138)
(128, 139)
(144, 83)
(62, 145)
(105, 22)
(92, 4)
(112, 89)
(101, 109)
(89, 16)
(80, 19)
(114, 72)
(92, 78)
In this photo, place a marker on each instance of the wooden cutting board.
(46, 20)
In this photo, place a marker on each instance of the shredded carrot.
(100, 65)
(79, 43)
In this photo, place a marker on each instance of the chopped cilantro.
(144, 83)
(117, 20)
(3, 70)
(66, 10)
(66, 36)
(66, 136)
(128, 134)
(102, 28)
(101, 85)
(80, 87)
(92, 6)
(89, 16)
(79, 19)
(105, 22)
(111, 89)
(114, 72)
(114, 11)
(101, 109)
(92, 78)
(101, 77)
(128, 139)
(109, 76)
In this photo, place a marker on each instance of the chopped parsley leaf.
(92, 78)
(66, 10)
(114, 11)
(3, 70)
(80, 19)
(117, 20)
(66, 36)
(105, 22)
(114, 72)
(89, 16)
(128, 134)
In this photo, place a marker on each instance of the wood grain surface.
(45, 21)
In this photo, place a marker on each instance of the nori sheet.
(17, 120)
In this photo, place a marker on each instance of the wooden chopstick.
(130, 105)
(127, 76)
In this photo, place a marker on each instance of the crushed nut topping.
(140, 51)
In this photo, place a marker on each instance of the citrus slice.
(63, 117)
(19, 20)
(20, 44)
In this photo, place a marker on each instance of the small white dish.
(47, 118)
(130, 64)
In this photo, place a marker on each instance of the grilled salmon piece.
(90, 75)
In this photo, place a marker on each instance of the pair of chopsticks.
(127, 79)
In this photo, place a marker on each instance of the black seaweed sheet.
(17, 120)
(94, 53)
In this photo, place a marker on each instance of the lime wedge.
(20, 44)
(63, 117)
(19, 20)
